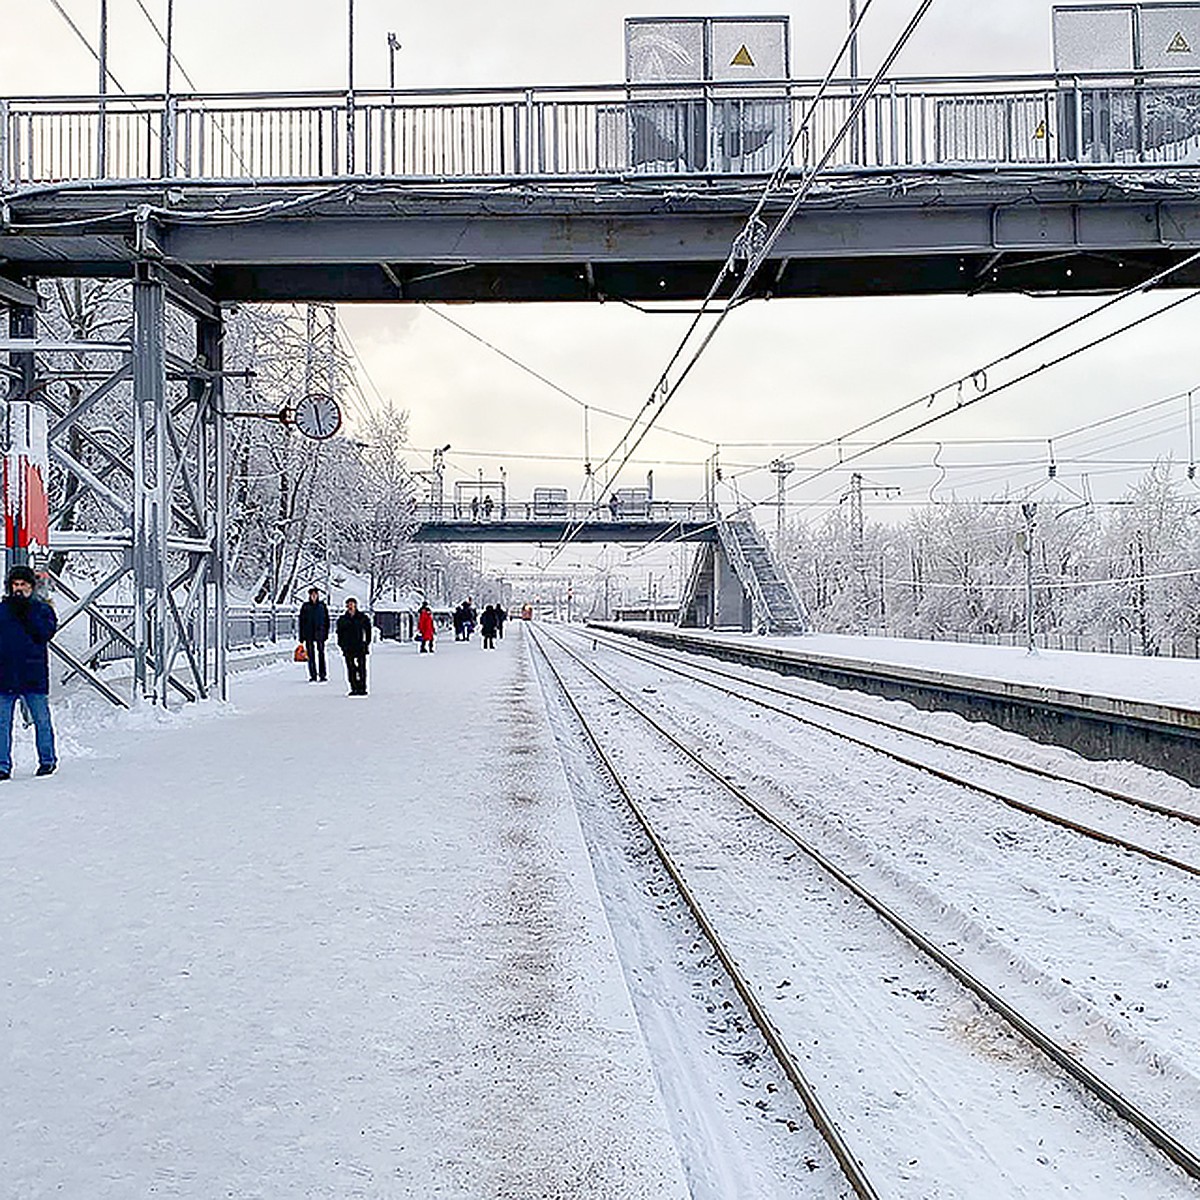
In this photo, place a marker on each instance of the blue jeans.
(38, 704)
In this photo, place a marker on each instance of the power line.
(562, 391)
(978, 377)
(756, 242)
(91, 49)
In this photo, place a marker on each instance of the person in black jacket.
(314, 632)
(26, 627)
(487, 627)
(354, 638)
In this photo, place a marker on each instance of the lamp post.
(170, 43)
(102, 136)
(393, 46)
(853, 39)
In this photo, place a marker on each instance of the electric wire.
(753, 233)
(516, 362)
(757, 246)
(978, 377)
(91, 49)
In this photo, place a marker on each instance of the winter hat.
(21, 572)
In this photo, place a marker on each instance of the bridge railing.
(663, 129)
(656, 511)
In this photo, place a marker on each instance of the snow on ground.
(305, 945)
(1173, 681)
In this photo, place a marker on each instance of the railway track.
(752, 968)
(866, 735)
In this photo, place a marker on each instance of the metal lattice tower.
(138, 458)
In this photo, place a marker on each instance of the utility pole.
(781, 469)
(1025, 543)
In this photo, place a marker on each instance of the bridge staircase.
(737, 582)
(775, 605)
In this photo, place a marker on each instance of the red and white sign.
(26, 470)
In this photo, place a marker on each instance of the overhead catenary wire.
(87, 42)
(752, 233)
(993, 392)
(562, 391)
(756, 244)
(977, 377)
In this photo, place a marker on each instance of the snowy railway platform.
(308, 945)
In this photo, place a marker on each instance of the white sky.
(778, 373)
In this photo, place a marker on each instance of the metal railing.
(246, 626)
(604, 131)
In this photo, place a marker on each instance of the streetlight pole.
(170, 43)
(853, 39)
(393, 46)
(102, 136)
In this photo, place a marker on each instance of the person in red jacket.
(425, 628)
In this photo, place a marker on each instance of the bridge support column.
(137, 440)
(148, 552)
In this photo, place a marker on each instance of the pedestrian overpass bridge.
(1046, 183)
(1043, 184)
(531, 522)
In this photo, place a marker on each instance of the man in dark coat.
(314, 632)
(26, 627)
(487, 627)
(354, 638)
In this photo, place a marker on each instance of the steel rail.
(949, 776)
(853, 1170)
(1159, 1137)
(645, 649)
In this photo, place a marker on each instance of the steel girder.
(138, 463)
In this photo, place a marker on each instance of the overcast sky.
(779, 373)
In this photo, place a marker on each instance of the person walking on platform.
(425, 628)
(487, 627)
(458, 623)
(501, 617)
(314, 633)
(354, 639)
(469, 617)
(26, 626)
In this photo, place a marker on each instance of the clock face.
(318, 416)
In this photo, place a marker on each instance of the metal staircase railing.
(776, 607)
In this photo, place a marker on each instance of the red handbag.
(301, 654)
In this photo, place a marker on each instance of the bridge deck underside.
(551, 531)
(1060, 231)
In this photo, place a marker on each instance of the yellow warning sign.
(1040, 131)
(742, 58)
(1179, 45)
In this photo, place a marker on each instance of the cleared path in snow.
(321, 946)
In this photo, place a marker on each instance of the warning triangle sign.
(1179, 45)
(742, 58)
(1040, 131)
